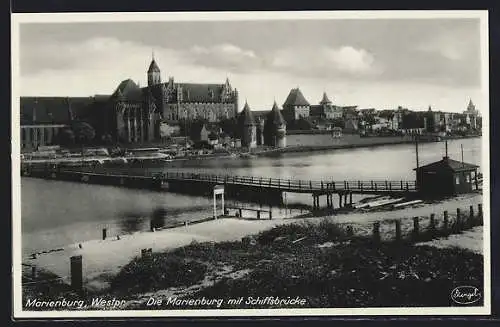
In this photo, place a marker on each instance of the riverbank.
(105, 258)
(318, 265)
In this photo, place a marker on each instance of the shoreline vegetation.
(322, 264)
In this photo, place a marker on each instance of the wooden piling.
(376, 231)
(76, 270)
(258, 214)
(398, 230)
(104, 232)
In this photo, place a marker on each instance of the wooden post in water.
(398, 230)
(104, 233)
(445, 220)
(76, 270)
(376, 231)
(258, 214)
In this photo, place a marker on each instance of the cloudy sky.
(380, 63)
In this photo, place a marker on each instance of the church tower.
(154, 77)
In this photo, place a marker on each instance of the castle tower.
(296, 106)
(247, 127)
(275, 128)
(154, 77)
(325, 100)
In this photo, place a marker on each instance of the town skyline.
(379, 63)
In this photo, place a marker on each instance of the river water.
(56, 213)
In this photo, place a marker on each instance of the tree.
(84, 133)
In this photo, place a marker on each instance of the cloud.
(345, 61)
(227, 56)
(449, 45)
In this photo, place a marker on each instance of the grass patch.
(160, 271)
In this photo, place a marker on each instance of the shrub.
(160, 271)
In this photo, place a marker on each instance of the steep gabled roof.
(295, 98)
(128, 90)
(450, 164)
(274, 116)
(57, 110)
(245, 118)
(196, 92)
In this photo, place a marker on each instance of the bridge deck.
(284, 185)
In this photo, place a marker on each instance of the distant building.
(43, 118)
(134, 114)
(326, 109)
(275, 128)
(247, 127)
(296, 106)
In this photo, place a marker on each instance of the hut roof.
(449, 164)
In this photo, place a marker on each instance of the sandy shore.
(102, 258)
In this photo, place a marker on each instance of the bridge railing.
(283, 184)
(325, 185)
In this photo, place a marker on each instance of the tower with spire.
(247, 127)
(275, 128)
(154, 73)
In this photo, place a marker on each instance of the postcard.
(314, 163)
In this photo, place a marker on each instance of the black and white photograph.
(250, 164)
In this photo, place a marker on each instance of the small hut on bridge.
(446, 177)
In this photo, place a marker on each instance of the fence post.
(104, 231)
(416, 228)
(76, 273)
(445, 220)
(398, 230)
(432, 225)
(480, 213)
(376, 231)
(471, 217)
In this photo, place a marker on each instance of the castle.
(135, 113)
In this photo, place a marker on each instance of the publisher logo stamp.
(465, 294)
